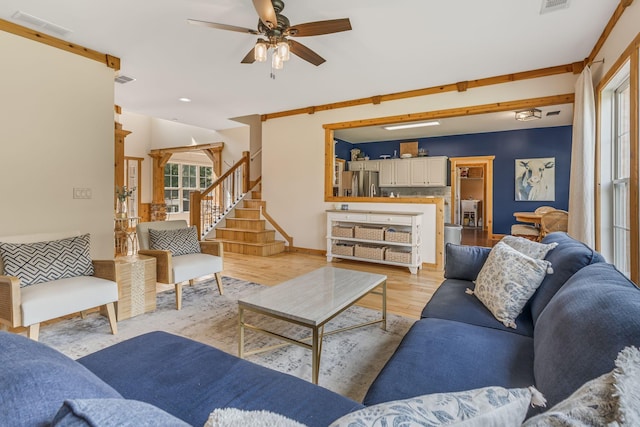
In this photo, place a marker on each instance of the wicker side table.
(136, 285)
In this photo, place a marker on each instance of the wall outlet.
(81, 193)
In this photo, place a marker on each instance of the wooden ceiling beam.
(109, 60)
(459, 86)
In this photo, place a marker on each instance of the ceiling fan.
(275, 30)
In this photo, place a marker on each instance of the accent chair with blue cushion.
(47, 276)
(179, 254)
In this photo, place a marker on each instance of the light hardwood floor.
(406, 293)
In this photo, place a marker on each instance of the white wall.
(293, 151)
(57, 134)
(623, 34)
(149, 133)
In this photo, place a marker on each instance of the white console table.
(382, 237)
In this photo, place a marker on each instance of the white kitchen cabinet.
(394, 237)
(428, 171)
(395, 173)
(364, 165)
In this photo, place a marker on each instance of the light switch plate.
(81, 193)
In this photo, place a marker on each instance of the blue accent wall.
(506, 146)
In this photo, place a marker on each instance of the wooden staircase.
(246, 233)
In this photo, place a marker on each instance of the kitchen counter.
(431, 230)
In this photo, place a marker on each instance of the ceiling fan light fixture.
(260, 51)
(530, 114)
(276, 61)
(283, 50)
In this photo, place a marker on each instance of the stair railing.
(208, 207)
(289, 239)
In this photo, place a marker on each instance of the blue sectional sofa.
(569, 332)
(181, 381)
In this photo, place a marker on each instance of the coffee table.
(311, 300)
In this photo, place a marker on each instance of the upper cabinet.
(395, 173)
(429, 171)
(413, 172)
(365, 165)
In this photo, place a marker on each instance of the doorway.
(472, 193)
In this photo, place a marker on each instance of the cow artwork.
(535, 179)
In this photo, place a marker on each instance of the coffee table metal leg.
(241, 332)
(315, 354)
(384, 305)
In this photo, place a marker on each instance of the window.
(180, 180)
(621, 155)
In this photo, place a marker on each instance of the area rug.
(349, 363)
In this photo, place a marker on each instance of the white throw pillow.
(232, 417)
(611, 399)
(529, 247)
(482, 407)
(507, 280)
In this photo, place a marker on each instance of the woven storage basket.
(341, 231)
(395, 255)
(369, 233)
(345, 249)
(370, 252)
(397, 236)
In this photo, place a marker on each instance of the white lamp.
(260, 51)
(283, 50)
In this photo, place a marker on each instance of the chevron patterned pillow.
(180, 241)
(40, 262)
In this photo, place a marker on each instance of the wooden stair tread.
(241, 242)
(243, 230)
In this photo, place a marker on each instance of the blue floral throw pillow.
(482, 407)
(508, 280)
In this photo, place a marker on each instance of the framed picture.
(536, 179)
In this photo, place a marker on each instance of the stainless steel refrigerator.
(365, 184)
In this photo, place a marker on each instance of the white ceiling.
(479, 123)
(394, 46)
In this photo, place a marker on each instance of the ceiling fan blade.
(320, 27)
(222, 26)
(305, 53)
(266, 12)
(250, 58)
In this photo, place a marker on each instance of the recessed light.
(412, 125)
(185, 99)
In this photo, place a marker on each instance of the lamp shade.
(283, 50)
(260, 51)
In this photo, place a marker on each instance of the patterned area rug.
(349, 363)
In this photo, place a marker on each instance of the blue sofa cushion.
(35, 380)
(113, 413)
(580, 332)
(450, 302)
(439, 356)
(568, 257)
(464, 262)
(189, 380)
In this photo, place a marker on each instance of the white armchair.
(180, 268)
(28, 297)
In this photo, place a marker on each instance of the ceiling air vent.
(122, 79)
(553, 5)
(46, 26)
(553, 113)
